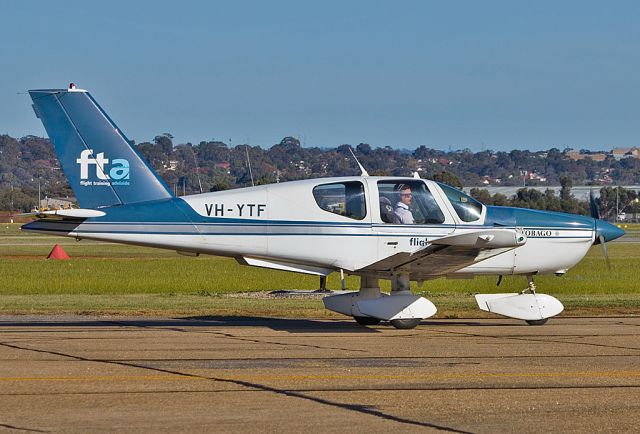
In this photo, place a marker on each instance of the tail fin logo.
(117, 174)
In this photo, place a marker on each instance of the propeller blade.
(593, 205)
(604, 251)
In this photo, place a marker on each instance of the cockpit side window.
(342, 198)
(467, 208)
(408, 202)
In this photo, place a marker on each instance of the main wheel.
(405, 324)
(367, 320)
(535, 322)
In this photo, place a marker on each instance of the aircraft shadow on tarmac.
(291, 325)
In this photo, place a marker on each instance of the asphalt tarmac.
(80, 374)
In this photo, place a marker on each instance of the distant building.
(620, 153)
(536, 177)
(50, 203)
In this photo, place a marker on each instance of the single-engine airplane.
(377, 227)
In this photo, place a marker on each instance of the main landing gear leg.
(369, 289)
(401, 285)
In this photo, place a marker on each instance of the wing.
(448, 254)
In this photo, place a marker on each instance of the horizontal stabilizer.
(66, 213)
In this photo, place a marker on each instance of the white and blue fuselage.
(284, 223)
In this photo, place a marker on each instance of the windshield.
(467, 208)
(408, 202)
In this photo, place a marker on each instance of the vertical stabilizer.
(101, 165)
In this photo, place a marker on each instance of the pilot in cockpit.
(401, 210)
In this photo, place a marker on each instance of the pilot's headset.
(399, 188)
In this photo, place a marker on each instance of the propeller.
(593, 205)
(595, 213)
(604, 251)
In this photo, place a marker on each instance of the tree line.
(29, 162)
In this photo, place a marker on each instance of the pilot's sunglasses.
(406, 194)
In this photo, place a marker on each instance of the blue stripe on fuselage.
(157, 216)
(502, 216)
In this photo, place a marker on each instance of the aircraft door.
(409, 215)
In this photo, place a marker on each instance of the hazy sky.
(509, 74)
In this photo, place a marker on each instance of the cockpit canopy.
(402, 201)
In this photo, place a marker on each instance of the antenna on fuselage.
(246, 149)
(363, 172)
(195, 160)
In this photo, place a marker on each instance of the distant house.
(52, 203)
(620, 153)
(537, 177)
(172, 165)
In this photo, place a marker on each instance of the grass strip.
(449, 306)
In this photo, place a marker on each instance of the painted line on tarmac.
(582, 374)
(102, 378)
(437, 376)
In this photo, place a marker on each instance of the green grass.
(110, 278)
(159, 304)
